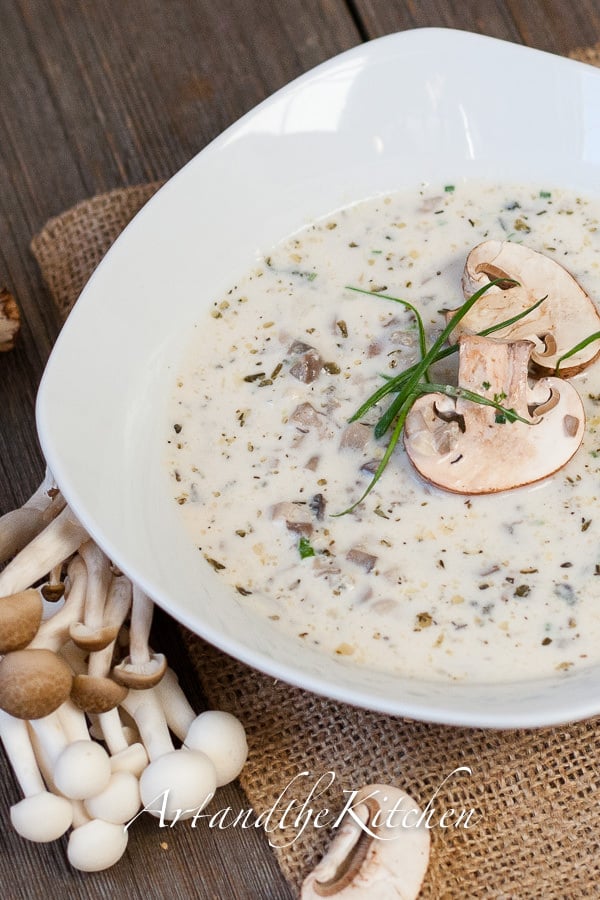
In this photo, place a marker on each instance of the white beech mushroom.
(58, 540)
(176, 783)
(463, 446)
(566, 317)
(93, 633)
(95, 844)
(383, 855)
(40, 816)
(19, 526)
(217, 733)
(10, 320)
(142, 668)
(79, 766)
(94, 691)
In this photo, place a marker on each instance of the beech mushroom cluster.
(87, 708)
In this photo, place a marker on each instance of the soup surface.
(415, 579)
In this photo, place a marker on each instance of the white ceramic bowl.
(426, 105)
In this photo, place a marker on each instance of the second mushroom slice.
(465, 447)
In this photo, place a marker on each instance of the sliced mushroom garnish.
(478, 451)
(379, 851)
(565, 318)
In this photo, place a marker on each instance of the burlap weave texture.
(535, 829)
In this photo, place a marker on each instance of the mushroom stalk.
(19, 526)
(92, 633)
(185, 780)
(40, 815)
(218, 734)
(142, 668)
(62, 537)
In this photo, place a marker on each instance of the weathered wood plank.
(95, 96)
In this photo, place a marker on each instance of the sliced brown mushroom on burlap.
(468, 448)
(10, 320)
(380, 850)
(565, 318)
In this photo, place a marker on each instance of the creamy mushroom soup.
(415, 579)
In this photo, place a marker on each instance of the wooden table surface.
(100, 94)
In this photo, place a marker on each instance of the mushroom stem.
(19, 526)
(148, 714)
(54, 632)
(141, 622)
(185, 779)
(62, 537)
(142, 668)
(178, 711)
(40, 815)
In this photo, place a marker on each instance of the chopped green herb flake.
(305, 548)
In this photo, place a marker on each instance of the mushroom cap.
(82, 770)
(140, 676)
(178, 780)
(464, 447)
(223, 738)
(33, 683)
(95, 694)
(118, 802)
(96, 845)
(133, 759)
(42, 817)
(20, 618)
(567, 313)
(92, 639)
(384, 857)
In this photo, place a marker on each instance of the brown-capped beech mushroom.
(10, 320)
(33, 683)
(142, 668)
(177, 783)
(217, 733)
(94, 633)
(62, 537)
(40, 815)
(94, 691)
(380, 850)
(20, 618)
(19, 526)
(566, 317)
(463, 446)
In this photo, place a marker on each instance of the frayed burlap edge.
(528, 797)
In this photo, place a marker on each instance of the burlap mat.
(535, 832)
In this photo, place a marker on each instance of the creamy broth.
(415, 580)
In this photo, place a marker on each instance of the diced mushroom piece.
(361, 558)
(10, 320)
(317, 505)
(305, 417)
(309, 364)
(355, 436)
(380, 850)
(484, 453)
(297, 516)
(566, 317)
